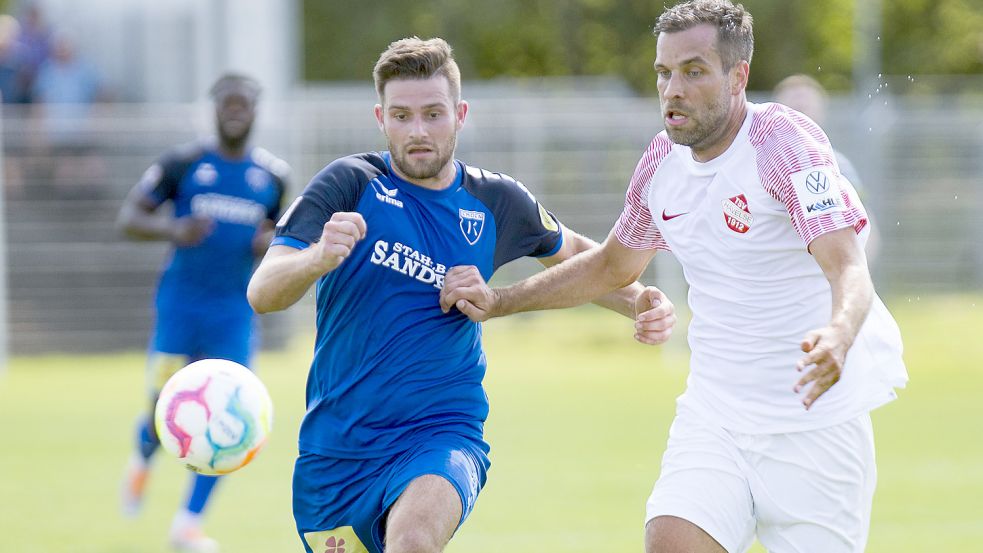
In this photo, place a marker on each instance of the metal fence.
(76, 285)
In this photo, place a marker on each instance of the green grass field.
(578, 422)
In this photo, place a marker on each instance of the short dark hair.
(242, 83)
(414, 58)
(735, 35)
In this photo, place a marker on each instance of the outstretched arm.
(621, 300)
(654, 314)
(581, 279)
(286, 273)
(843, 262)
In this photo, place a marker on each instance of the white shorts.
(802, 492)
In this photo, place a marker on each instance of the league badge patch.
(471, 223)
(547, 220)
(737, 215)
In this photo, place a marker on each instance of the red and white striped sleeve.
(798, 168)
(635, 228)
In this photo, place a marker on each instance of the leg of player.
(138, 467)
(160, 367)
(424, 517)
(186, 529)
(667, 534)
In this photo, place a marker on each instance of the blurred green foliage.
(519, 38)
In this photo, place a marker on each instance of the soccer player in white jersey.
(791, 348)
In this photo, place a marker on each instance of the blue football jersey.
(390, 368)
(238, 195)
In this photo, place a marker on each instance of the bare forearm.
(578, 280)
(141, 226)
(852, 295)
(621, 300)
(281, 281)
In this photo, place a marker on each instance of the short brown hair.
(735, 35)
(414, 58)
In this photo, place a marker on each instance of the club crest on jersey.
(257, 179)
(472, 223)
(205, 174)
(386, 195)
(737, 215)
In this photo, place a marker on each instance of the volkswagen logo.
(817, 182)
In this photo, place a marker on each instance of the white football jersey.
(740, 226)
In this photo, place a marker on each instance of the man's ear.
(739, 76)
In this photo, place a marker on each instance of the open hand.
(825, 352)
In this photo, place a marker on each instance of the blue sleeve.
(161, 181)
(276, 206)
(523, 226)
(336, 188)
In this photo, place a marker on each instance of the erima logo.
(471, 223)
(386, 195)
(823, 205)
(817, 182)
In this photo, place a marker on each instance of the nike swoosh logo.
(666, 216)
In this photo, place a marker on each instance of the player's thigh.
(349, 500)
(425, 516)
(669, 534)
(433, 490)
(702, 482)
(813, 490)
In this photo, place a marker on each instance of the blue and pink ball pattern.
(214, 415)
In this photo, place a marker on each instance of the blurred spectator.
(35, 44)
(67, 85)
(65, 77)
(12, 62)
(805, 95)
(64, 92)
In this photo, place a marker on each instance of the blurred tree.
(516, 38)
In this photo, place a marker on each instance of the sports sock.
(147, 442)
(201, 490)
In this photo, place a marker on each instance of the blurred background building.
(562, 97)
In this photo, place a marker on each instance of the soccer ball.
(214, 415)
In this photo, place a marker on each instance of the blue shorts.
(199, 334)
(342, 503)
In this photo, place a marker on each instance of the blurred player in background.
(772, 436)
(223, 197)
(805, 95)
(392, 454)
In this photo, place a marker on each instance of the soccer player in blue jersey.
(392, 454)
(224, 198)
